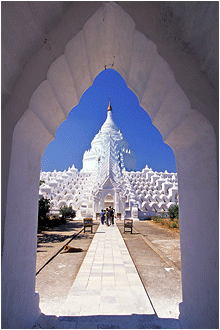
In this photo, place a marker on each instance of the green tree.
(43, 209)
(173, 212)
(41, 182)
(67, 212)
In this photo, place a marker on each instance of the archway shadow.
(57, 234)
(133, 321)
(68, 226)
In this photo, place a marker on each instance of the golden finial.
(109, 106)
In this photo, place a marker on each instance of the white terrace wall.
(110, 33)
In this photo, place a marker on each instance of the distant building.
(108, 178)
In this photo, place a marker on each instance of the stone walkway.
(107, 291)
(107, 282)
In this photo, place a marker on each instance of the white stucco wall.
(187, 131)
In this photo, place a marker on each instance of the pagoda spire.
(109, 106)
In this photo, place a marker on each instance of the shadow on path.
(56, 234)
(51, 238)
(134, 321)
(68, 226)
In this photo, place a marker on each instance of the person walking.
(111, 215)
(107, 216)
(110, 212)
(102, 215)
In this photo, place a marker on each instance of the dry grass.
(167, 223)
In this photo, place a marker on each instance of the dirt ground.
(155, 251)
(55, 280)
(163, 241)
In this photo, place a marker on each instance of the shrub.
(67, 212)
(174, 225)
(168, 223)
(155, 218)
(173, 212)
(53, 222)
(43, 209)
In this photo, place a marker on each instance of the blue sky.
(75, 134)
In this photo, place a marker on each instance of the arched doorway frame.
(111, 203)
(110, 37)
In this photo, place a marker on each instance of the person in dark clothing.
(111, 215)
(102, 215)
(108, 215)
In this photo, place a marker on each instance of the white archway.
(110, 35)
(108, 201)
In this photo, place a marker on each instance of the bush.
(53, 222)
(174, 225)
(67, 212)
(173, 212)
(43, 209)
(168, 223)
(155, 218)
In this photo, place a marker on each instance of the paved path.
(107, 282)
(107, 291)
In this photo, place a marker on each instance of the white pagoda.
(108, 178)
